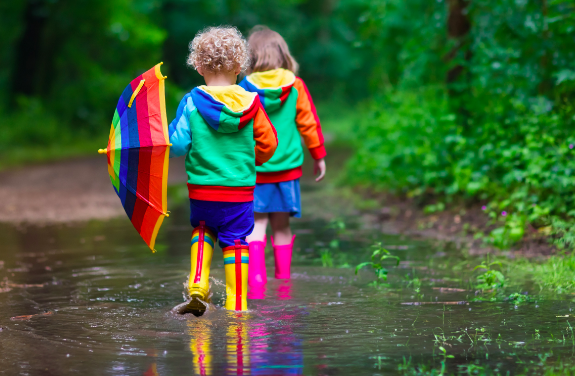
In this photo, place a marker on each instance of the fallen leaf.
(28, 317)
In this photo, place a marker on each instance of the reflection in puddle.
(238, 349)
(153, 369)
(284, 291)
(200, 345)
(252, 345)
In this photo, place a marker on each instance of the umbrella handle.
(136, 92)
(102, 151)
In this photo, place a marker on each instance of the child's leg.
(260, 224)
(239, 224)
(280, 228)
(282, 241)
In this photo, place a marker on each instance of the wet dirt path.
(75, 190)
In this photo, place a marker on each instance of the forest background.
(446, 102)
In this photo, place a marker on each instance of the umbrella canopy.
(138, 153)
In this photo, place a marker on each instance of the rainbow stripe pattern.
(236, 261)
(208, 237)
(138, 153)
(230, 256)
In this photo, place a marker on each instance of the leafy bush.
(501, 133)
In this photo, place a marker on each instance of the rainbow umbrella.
(138, 153)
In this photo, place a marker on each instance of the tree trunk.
(545, 84)
(458, 27)
(27, 62)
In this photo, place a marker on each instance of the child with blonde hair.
(289, 106)
(224, 133)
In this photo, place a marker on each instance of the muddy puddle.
(91, 299)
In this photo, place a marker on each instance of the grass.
(35, 135)
(555, 274)
(25, 155)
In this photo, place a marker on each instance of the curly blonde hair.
(219, 49)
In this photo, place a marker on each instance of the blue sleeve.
(179, 130)
(243, 84)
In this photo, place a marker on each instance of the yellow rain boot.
(236, 259)
(203, 242)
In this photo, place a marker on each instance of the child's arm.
(309, 127)
(265, 136)
(179, 129)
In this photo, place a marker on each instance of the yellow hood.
(233, 97)
(272, 79)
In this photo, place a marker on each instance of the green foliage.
(76, 68)
(333, 255)
(77, 62)
(555, 274)
(22, 141)
(406, 40)
(518, 298)
(378, 256)
(434, 208)
(490, 279)
(501, 134)
(407, 368)
(320, 35)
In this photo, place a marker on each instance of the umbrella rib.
(147, 200)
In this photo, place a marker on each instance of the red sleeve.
(307, 121)
(265, 136)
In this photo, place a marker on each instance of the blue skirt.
(278, 197)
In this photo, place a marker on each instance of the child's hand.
(319, 167)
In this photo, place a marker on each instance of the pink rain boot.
(257, 276)
(282, 255)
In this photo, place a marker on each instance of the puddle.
(93, 299)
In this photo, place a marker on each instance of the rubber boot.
(236, 259)
(257, 275)
(198, 284)
(282, 255)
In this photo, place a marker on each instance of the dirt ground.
(456, 225)
(75, 190)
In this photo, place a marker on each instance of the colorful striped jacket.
(224, 133)
(291, 110)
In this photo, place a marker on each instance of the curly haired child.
(216, 128)
(290, 108)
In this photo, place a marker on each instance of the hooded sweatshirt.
(291, 110)
(224, 133)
